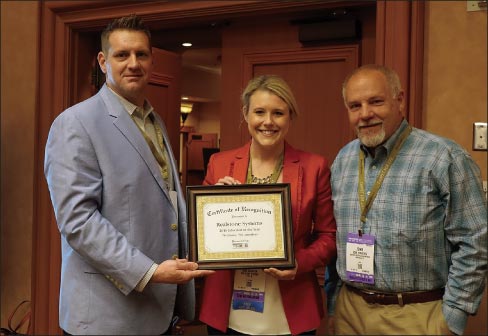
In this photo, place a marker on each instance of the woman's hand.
(227, 180)
(288, 274)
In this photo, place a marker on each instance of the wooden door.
(315, 75)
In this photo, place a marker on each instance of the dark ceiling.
(208, 35)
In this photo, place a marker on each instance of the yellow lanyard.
(163, 167)
(366, 203)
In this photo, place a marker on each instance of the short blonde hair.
(273, 84)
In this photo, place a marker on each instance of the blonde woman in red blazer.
(292, 301)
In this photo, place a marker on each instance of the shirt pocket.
(411, 206)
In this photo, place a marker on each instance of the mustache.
(369, 124)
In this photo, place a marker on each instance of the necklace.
(271, 178)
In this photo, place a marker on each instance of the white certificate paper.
(232, 227)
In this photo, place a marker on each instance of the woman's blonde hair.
(273, 84)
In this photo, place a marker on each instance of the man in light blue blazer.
(118, 203)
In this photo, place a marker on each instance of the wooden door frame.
(399, 45)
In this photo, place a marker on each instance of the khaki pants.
(354, 316)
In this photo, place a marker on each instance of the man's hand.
(178, 271)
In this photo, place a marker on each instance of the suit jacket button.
(175, 256)
(174, 227)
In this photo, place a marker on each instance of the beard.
(371, 140)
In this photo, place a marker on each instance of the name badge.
(360, 258)
(249, 285)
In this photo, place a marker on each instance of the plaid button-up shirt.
(429, 220)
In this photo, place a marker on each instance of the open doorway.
(200, 112)
(200, 48)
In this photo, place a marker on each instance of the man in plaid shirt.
(411, 220)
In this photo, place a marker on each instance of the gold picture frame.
(240, 226)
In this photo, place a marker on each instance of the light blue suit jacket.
(116, 219)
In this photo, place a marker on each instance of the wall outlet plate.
(477, 5)
(479, 136)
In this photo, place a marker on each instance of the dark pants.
(213, 331)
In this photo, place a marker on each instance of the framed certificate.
(240, 226)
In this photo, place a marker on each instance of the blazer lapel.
(292, 174)
(124, 123)
(241, 161)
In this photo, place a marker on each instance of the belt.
(398, 298)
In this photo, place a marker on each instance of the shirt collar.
(133, 109)
(388, 144)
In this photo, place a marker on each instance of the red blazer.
(314, 231)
